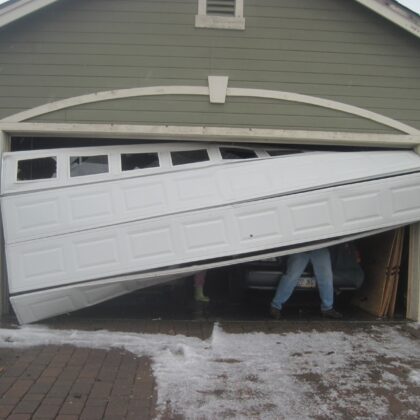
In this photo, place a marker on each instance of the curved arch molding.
(217, 91)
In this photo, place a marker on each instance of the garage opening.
(376, 286)
(370, 278)
(244, 291)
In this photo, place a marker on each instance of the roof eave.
(389, 9)
(19, 9)
(396, 13)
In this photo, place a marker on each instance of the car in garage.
(265, 274)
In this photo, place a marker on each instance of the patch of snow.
(302, 375)
(414, 376)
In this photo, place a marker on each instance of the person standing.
(199, 281)
(296, 264)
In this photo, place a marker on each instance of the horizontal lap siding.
(198, 112)
(334, 49)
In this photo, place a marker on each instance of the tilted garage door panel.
(211, 233)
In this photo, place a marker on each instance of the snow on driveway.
(295, 375)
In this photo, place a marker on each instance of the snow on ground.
(415, 376)
(299, 375)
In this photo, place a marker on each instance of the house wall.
(334, 49)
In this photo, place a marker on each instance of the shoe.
(275, 313)
(331, 313)
(199, 296)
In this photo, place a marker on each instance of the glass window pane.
(130, 161)
(237, 153)
(88, 165)
(189, 156)
(281, 152)
(39, 168)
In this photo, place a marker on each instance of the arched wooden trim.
(204, 91)
(323, 103)
(106, 96)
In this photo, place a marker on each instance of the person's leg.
(321, 263)
(199, 280)
(295, 266)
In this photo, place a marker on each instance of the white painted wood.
(199, 90)
(220, 22)
(218, 232)
(237, 22)
(239, 8)
(413, 287)
(214, 134)
(218, 89)
(202, 7)
(38, 211)
(4, 302)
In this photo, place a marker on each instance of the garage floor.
(175, 301)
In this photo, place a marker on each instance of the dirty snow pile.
(300, 375)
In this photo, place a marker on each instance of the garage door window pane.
(131, 161)
(281, 152)
(237, 153)
(39, 168)
(88, 165)
(189, 156)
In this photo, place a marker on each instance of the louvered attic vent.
(220, 14)
(221, 7)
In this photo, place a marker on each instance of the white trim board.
(212, 134)
(201, 90)
(203, 20)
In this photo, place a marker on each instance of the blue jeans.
(296, 264)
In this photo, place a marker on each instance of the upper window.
(220, 14)
(38, 168)
(131, 161)
(237, 153)
(189, 156)
(88, 165)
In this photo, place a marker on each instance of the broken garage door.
(85, 225)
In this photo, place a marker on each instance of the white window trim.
(237, 22)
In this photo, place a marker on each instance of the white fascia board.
(395, 13)
(19, 9)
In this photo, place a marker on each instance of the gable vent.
(221, 7)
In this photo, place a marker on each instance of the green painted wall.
(333, 49)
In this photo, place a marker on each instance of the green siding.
(197, 111)
(334, 49)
